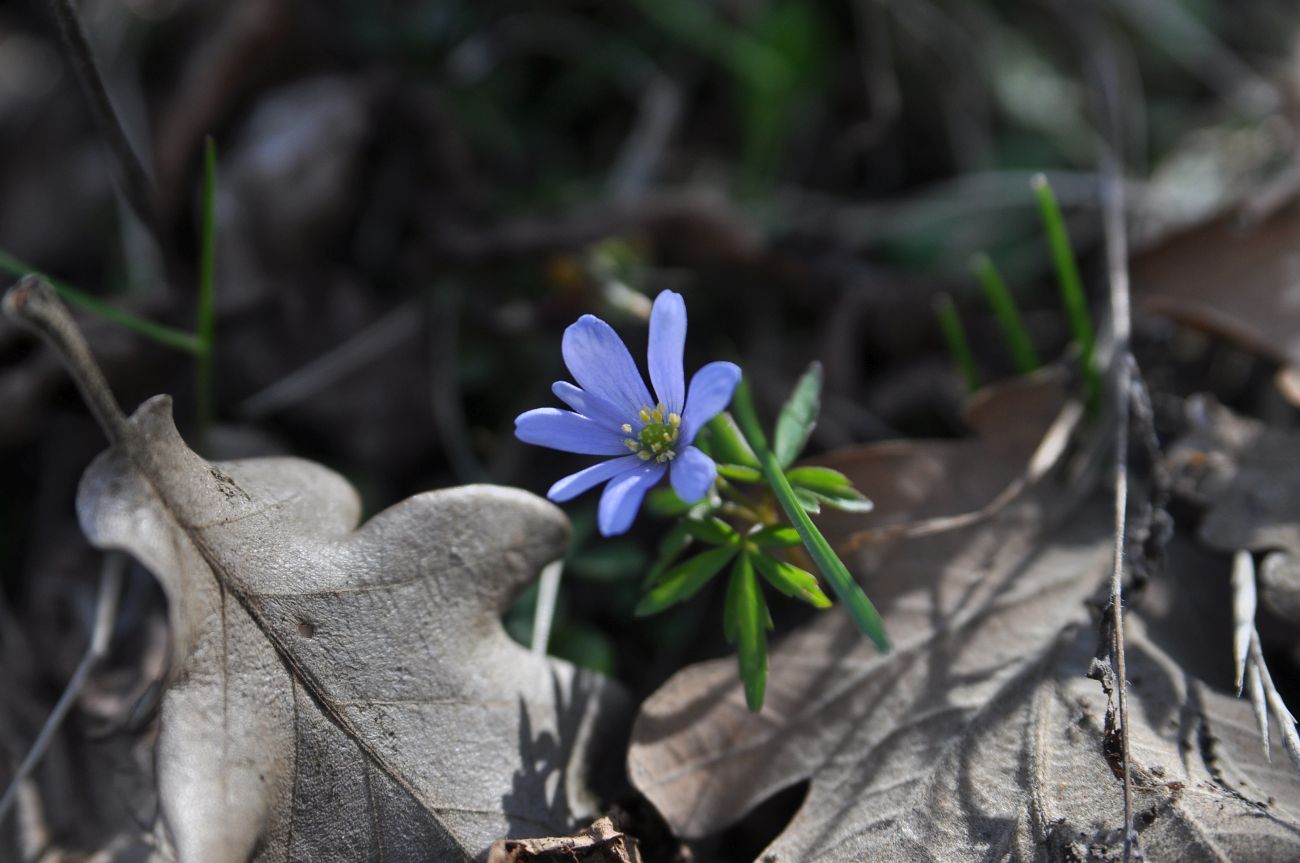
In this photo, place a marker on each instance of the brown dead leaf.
(602, 842)
(979, 736)
(1240, 282)
(338, 691)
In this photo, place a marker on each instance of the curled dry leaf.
(979, 735)
(602, 842)
(341, 691)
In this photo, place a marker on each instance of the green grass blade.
(745, 623)
(727, 445)
(155, 332)
(955, 335)
(207, 311)
(798, 416)
(837, 575)
(1067, 276)
(1008, 315)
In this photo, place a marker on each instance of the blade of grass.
(837, 575)
(160, 333)
(1067, 276)
(207, 317)
(1008, 315)
(955, 335)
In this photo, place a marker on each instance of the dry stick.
(110, 589)
(1112, 191)
(134, 179)
(34, 304)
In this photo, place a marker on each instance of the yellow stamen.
(626, 427)
(674, 420)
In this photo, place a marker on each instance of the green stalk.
(160, 333)
(955, 335)
(1008, 315)
(837, 575)
(1067, 275)
(207, 316)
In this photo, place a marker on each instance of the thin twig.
(134, 180)
(33, 303)
(110, 588)
(1117, 268)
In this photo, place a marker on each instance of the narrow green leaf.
(1007, 313)
(727, 445)
(156, 332)
(1071, 285)
(740, 473)
(798, 416)
(810, 502)
(791, 580)
(776, 536)
(671, 547)
(955, 335)
(684, 580)
(714, 531)
(837, 575)
(745, 622)
(845, 500)
(818, 479)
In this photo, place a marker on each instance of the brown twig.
(33, 303)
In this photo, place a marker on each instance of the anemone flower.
(614, 415)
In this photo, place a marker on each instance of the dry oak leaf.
(979, 737)
(342, 692)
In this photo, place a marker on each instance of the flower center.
(657, 435)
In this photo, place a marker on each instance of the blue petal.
(667, 341)
(710, 392)
(692, 474)
(600, 363)
(590, 405)
(622, 497)
(568, 432)
(576, 483)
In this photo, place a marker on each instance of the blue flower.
(614, 415)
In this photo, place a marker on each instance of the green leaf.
(809, 501)
(798, 416)
(845, 500)
(670, 548)
(727, 445)
(745, 623)
(818, 479)
(740, 473)
(776, 536)
(791, 580)
(684, 580)
(714, 531)
(837, 575)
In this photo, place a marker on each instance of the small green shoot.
(955, 336)
(1008, 315)
(1071, 285)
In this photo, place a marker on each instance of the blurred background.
(413, 200)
